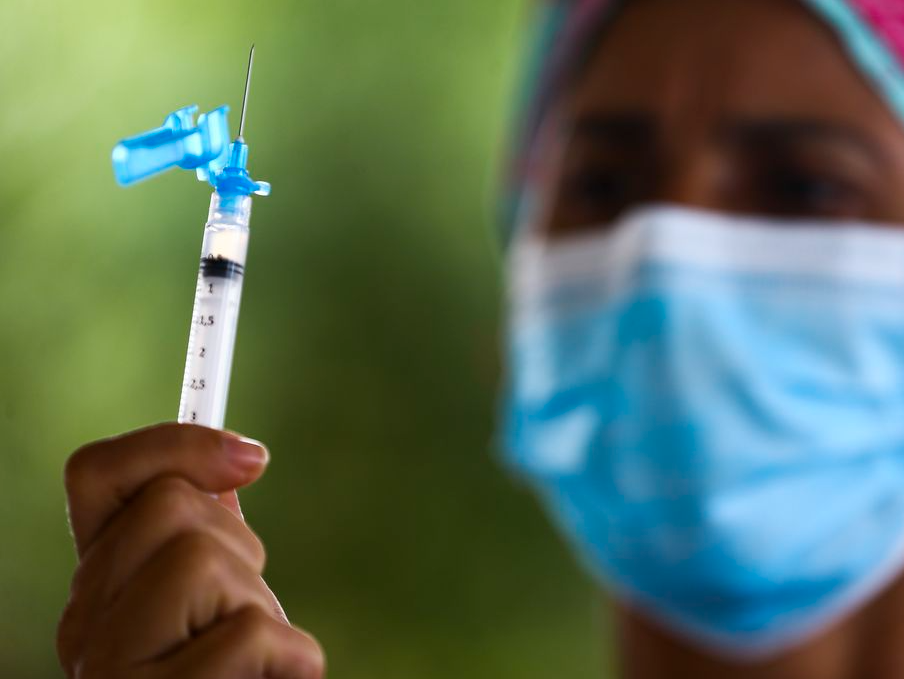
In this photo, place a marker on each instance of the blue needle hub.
(203, 147)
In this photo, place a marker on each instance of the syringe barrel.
(211, 342)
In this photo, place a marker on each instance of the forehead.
(691, 61)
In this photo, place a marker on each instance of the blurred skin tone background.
(367, 356)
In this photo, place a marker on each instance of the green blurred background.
(368, 348)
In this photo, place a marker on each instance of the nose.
(695, 179)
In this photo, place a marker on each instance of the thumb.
(102, 477)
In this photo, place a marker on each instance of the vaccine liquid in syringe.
(215, 316)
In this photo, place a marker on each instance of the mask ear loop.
(530, 237)
(546, 160)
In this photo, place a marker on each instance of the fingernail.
(247, 454)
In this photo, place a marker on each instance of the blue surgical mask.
(712, 408)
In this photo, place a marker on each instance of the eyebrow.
(634, 128)
(784, 132)
(618, 128)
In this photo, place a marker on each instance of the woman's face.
(743, 106)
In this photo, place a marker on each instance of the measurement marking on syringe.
(214, 320)
(219, 267)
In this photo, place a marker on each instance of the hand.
(169, 583)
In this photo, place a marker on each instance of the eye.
(596, 194)
(797, 191)
(600, 187)
(810, 180)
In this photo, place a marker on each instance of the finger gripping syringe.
(205, 148)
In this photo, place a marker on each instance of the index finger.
(101, 477)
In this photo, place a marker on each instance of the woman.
(707, 321)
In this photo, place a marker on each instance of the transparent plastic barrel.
(211, 341)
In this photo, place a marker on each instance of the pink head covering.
(886, 17)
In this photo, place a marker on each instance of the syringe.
(211, 340)
(205, 148)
